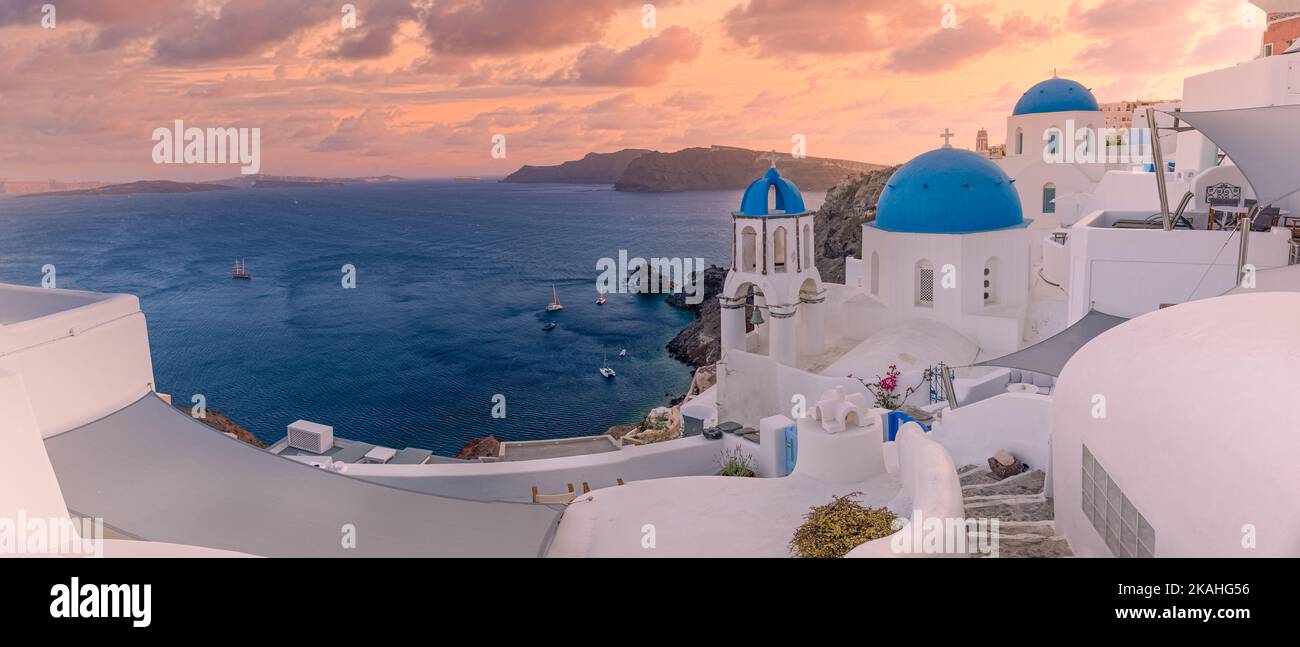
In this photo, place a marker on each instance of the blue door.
(791, 449)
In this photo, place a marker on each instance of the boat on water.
(550, 326)
(240, 271)
(606, 370)
(555, 301)
(622, 353)
(600, 300)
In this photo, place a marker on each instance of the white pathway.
(701, 516)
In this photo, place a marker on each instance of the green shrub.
(737, 463)
(834, 529)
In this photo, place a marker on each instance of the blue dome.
(788, 199)
(1056, 95)
(948, 191)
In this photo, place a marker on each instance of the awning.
(1277, 6)
(1263, 142)
(1050, 355)
(154, 473)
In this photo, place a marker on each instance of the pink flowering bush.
(885, 389)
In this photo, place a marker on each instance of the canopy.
(154, 473)
(1050, 355)
(1277, 6)
(1263, 142)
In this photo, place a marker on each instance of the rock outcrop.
(595, 168)
(725, 167)
(476, 448)
(223, 424)
(700, 343)
(839, 221)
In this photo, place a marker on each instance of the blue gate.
(896, 419)
(791, 448)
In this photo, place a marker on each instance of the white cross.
(773, 158)
(947, 138)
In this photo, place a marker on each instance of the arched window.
(1049, 198)
(1020, 141)
(779, 250)
(807, 247)
(924, 284)
(748, 250)
(875, 273)
(991, 282)
(1053, 140)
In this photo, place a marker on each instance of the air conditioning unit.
(311, 437)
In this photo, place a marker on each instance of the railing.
(1295, 253)
(1060, 237)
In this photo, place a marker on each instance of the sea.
(443, 328)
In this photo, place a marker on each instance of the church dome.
(948, 191)
(789, 201)
(1056, 95)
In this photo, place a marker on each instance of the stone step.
(968, 468)
(1015, 547)
(1031, 482)
(1013, 508)
(978, 477)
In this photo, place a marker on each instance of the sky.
(419, 88)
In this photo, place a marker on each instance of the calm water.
(452, 281)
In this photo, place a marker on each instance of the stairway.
(1025, 515)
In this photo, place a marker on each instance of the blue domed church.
(773, 299)
(949, 243)
(1054, 126)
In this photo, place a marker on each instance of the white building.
(949, 244)
(773, 277)
(1055, 117)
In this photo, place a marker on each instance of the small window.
(875, 274)
(925, 284)
(1020, 141)
(990, 282)
(1049, 198)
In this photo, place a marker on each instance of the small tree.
(885, 389)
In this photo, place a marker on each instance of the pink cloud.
(643, 64)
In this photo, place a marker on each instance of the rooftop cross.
(773, 158)
(947, 138)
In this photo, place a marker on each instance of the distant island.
(691, 169)
(52, 188)
(145, 186)
(264, 181)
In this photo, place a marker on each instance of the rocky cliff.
(838, 223)
(849, 204)
(724, 167)
(595, 168)
(699, 344)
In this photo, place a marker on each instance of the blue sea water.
(452, 282)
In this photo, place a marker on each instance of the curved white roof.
(152, 472)
(1196, 425)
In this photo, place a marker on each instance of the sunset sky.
(419, 87)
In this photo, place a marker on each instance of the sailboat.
(622, 353)
(605, 369)
(241, 272)
(555, 301)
